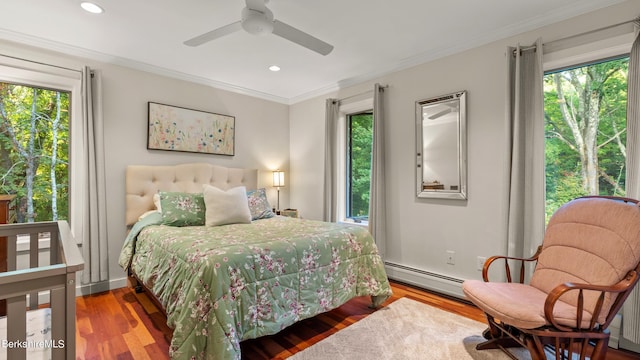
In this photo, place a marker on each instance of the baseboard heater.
(425, 279)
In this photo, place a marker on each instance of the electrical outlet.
(481, 260)
(451, 257)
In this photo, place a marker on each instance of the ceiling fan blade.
(214, 34)
(259, 5)
(301, 38)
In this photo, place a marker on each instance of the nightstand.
(7, 209)
(289, 212)
(7, 216)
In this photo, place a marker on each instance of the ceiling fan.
(257, 19)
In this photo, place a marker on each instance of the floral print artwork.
(180, 129)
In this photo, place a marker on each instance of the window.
(585, 131)
(354, 143)
(358, 179)
(34, 150)
(47, 81)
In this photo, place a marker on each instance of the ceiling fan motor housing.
(257, 22)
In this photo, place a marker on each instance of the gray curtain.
(631, 307)
(377, 201)
(94, 218)
(525, 123)
(330, 160)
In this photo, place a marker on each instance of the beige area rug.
(407, 329)
(38, 337)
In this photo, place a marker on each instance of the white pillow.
(226, 207)
(156, 201)
(147, 214)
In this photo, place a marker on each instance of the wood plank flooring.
(121, 324)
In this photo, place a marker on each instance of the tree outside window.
(585, 131)
(360, 141)
(34, 148)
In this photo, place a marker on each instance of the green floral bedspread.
(221, 285)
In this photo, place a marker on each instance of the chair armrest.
(507, 268)
(624, 286)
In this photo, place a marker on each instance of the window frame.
(354, 106)
(577, 55)
(349, 166)
(29, 73)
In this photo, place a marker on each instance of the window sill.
(364, 224)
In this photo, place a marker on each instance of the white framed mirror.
(441, 147)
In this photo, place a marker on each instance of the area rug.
(38, 337)
(407, 329)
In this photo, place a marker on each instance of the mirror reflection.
(441, 147)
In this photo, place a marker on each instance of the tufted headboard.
(143, 181)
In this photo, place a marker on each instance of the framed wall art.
(176, 128)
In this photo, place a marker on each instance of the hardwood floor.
(121, 324)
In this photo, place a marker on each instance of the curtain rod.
(360, 94)
(356, 95)
(527, 48)
(40, 63)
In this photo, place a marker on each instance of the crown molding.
(473, 42)
(132, 64)
(558, 15)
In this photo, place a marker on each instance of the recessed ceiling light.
(91, 7)
(274, 68)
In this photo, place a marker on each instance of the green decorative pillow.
(259, 205)
(182, 209)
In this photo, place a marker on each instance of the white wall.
(262, 135)
(262, 131)
(420, 231)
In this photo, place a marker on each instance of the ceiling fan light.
(256, 22)
(274, 68)
(91, 7)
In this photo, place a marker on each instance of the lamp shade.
(278, 178)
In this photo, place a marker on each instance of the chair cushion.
(518, 304)
(592, 240)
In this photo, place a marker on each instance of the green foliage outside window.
(34, 148)
(585, 131)
(360, 151)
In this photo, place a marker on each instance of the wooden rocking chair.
(586, 267)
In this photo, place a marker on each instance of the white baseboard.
(102, 286)
(620, 341)
(614, 330)
(425, 279)
(628, 345)
(22, 249)
(43, 296)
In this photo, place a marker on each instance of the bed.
(220, 285)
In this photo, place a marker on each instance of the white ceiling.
(371, 37)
